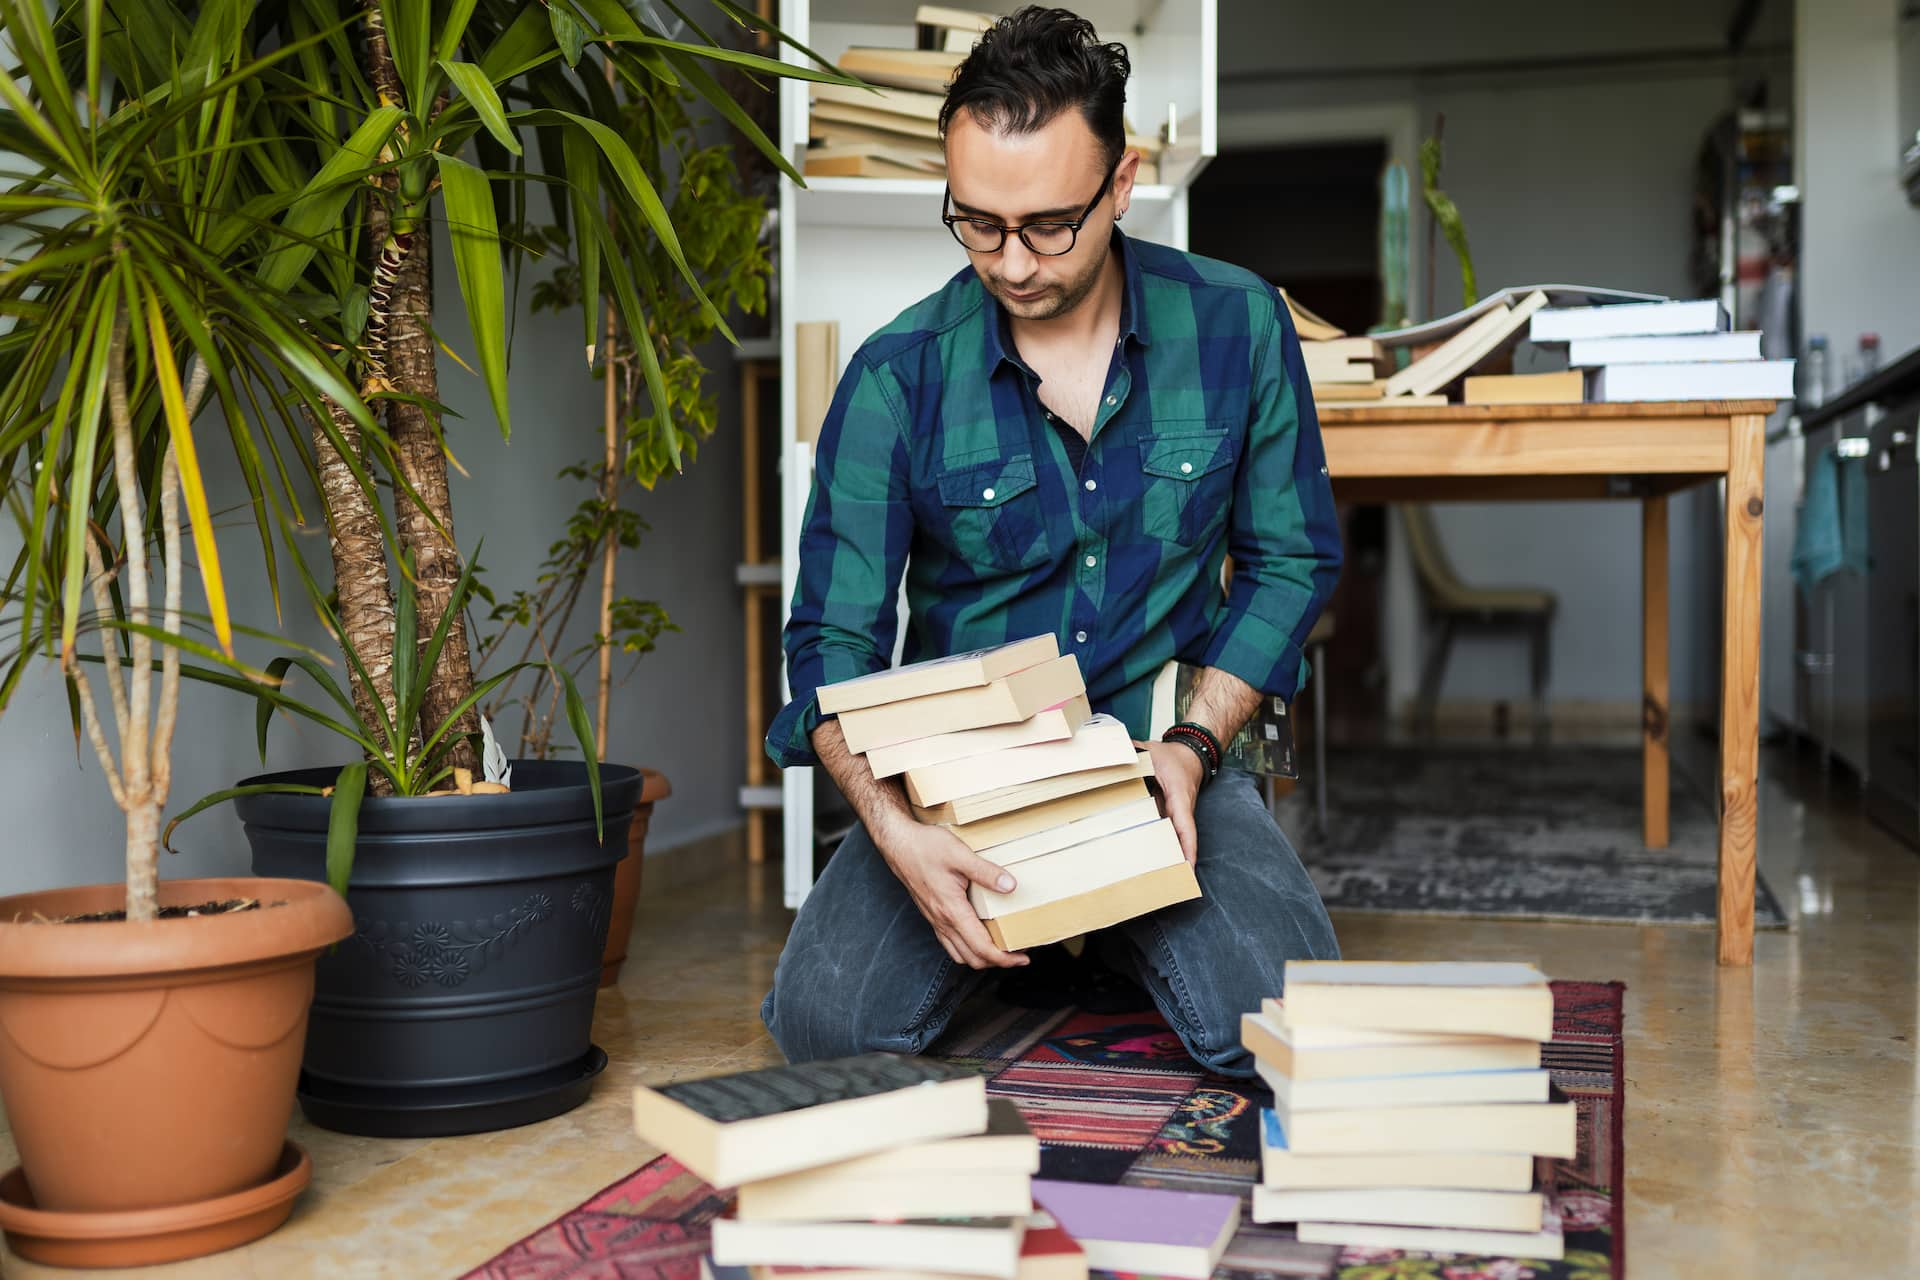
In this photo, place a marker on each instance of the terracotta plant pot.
(151, 1066)
(626, 877)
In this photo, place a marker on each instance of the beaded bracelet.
(1200, 743)
(1219, 753)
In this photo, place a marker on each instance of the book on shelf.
(816, 370)
(1683, 348)
(1081, 868)
(1263, 746)
(1496, 999)
(925, 70)
(1007, 699)
(1095, 908)
(1038, 819)
(865, 160)
(912, 104)
(847, 133)
(1629, 320)
(938, 26)
(1341, 1053)
(1568, 386)
(1458, 355)
(1051, 724)
(868, 116)
(1003, 800)
(1100, 742)
(1717, 380)
(1143, 1230)
(967, 670)
(1547, 1243)
(1440, 1207)
(735, 1128)
(1474, 1170)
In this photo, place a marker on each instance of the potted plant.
(153, 1031)
(721, 242)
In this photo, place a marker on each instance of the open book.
(1264, 744)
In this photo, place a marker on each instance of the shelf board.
(897, 202)
(767, 796)
(757, 575)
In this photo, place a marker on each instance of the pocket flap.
(987, 484)
(1185, 457)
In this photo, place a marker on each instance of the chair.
(1453, 605)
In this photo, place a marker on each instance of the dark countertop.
(1898, 381)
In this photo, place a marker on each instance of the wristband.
(1219, 753)
(1200, 744)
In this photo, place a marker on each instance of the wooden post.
(1654, 714)
(1740, 686)
(753, 600)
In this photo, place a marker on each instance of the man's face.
(1044, 176)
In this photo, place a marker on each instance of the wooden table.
(1577, 452)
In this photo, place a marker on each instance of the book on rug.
(1547, 1243)
(1047, 1252)
(1050, 725)
(1284, 1168)
(964, 1246)
(1143, 1230)
(1100, 742)
(1081, 868)
(738, 1127)
(1039, 820)
(1518, 1211)
(1436, 1088)
(1339, 1053)
(937, 675)
(1017, 696)
(1540, 1129)
(1263, 746)
(1468, 998)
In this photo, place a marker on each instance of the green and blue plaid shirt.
(937, 459)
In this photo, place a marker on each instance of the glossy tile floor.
(1773, 1114)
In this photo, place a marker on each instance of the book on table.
(1683, 348)
(1716, 380)
(1629, 320)
(1568, 386)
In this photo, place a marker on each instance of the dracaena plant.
(412, 763)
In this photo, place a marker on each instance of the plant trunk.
(610, 494)
(365, 605)
(399, 327)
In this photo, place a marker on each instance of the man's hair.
(1034, 64)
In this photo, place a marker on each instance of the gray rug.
(1507, 832)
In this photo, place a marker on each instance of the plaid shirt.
(937, 459)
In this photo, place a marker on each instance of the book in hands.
(936, 675)
(1008, 699)
(1081, 868)
(989, 804)
(1098, 908)
(1044, 823)
(1101, 742)
(1054, 724)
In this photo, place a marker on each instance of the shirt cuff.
(790, 736)
(1253, 649)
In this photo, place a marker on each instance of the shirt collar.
(1133, 313)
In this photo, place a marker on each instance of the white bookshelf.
(859, 250)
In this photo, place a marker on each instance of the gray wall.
(1579, 174)
(680, 712)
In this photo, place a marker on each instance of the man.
(1068, 437)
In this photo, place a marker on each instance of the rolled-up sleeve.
(1284, 536)
(854, 541)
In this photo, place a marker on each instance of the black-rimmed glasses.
(1048, 239)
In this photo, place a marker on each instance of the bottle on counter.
(1813, 373)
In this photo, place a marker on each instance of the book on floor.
(1568, 386)
(1339, 1053)
(990, 804)
(1054, 724)
(1517, 1211)
(1547, 1243)
(1037, 819)
(1082, 868)
(1280, 1166)
(1094, 908)
(1430, 1089)
(1718, 380)
(963, 1246)
(1467, 998)
(1005, 700)
(1143, 1230)
(1631, 320)
(1264, 744)
(734, 1128)
(1539, 1129)
(968, 670)
(1100, 742)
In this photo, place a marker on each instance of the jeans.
(862, 970)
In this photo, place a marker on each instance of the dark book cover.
(750, 1095)
(1264, 745)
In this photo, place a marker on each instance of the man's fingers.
(975, 938)
(984, 872)
(1180, 809)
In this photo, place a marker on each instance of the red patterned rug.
(1115, 1098)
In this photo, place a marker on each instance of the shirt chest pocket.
(1186, 484)
(994, 514)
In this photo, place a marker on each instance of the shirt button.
(1092, 561)
(1185, 469)
(1091, 486)
(987, 494)
(1112, 400)
(1079, 637)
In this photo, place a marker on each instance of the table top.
(1384, 413)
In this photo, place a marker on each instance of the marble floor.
(1773, 1113)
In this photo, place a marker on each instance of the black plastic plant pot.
(463, 1002)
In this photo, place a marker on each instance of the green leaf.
(454, 29)
(234, 793)
(409, 27)
(263, 709)
(474, 87)
(571, 36)
(326, 194)
(707, 87)
(521, 47)
(583, 734)
(343, 824)
(406, 646)
(476, 258)
(583, 198)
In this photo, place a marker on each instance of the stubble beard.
(1059, 298)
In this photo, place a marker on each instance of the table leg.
(1654, 790)
(1740, 687)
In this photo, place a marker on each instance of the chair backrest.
(1435, 572)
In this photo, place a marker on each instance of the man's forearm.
(1223, 702)
(881, 804)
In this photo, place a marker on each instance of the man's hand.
(1177, 776)
(936, 867)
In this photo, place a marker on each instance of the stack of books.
(894, 131)
(1409, 1107)
(1663, 351)
(873, 1165)
(1000, 747)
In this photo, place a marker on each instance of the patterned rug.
(1509, 832)
(1115, 1098)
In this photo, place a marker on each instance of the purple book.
(1140, 1229)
